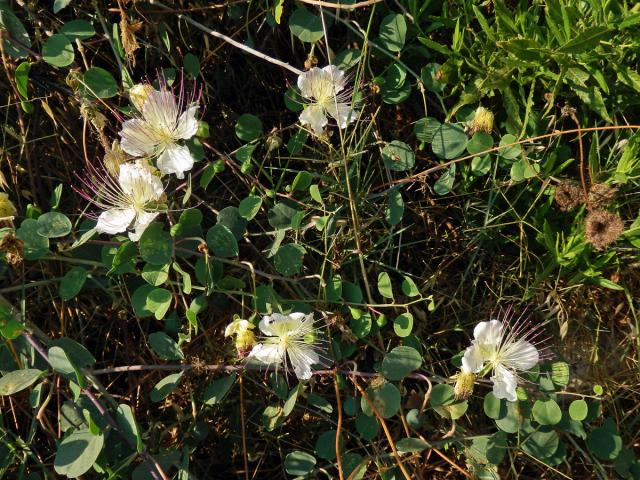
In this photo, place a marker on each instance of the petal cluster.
(289, 340)
(159, 130)
(504, 352)
(325, 94)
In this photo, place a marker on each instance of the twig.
(244, 433)
(341, 6)
(387, 433)
(339, 425)
(230, 40)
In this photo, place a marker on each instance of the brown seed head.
(602, 228)
(12, 247)
(601, 196)
(568, 196)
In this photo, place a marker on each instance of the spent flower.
(165, 121)
(325, 94)
(130, 201)
(243, 331)
(289, 340)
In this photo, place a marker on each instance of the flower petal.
(342, 113)
(302, 357)
(314, 116)
(115, 220)
(336, 77)
(142, 222)
(187, 125)
(306, 81)
(138, 138)
(504, 384)
(137, 181)
(160, 110)
(277, 325)
(267, 354)
(472, 360)
(520, 355)
(175, 159)
(488, 333)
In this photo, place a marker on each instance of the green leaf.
(523, 169)
(191, 64)
(250, 206)
(587, 40)
(72, 283)
(299, 463)
(164, 387)
(77, 453)
(441, 395)
(366, 426)
(231, 218)
(449, 141)
(302, 181)
(604, 442)
(78, 29)
(222, 242)
(480, 142)
(281, 215)
(541, 444)
(158, 302)
(248, 127)
(218, 389)
(75, 351)
(99, 83)
(53, 225)
(306, 26)
(35, 245)
(426, 128)
(165, 347)
(58, 51)
(398, 156)
(481, 165)
(14, 382)
(511, 152)
(288, 259)
(385, 398)
(22, 79)
(578, 410)
(360, 323)
(155, 275)
(395, 207)
(409, 287)
(444, 184)
(393, 32)
(400, 362)
(560, 373)
(411, 445)
(156, 245)
(17, 42)
(326, 445)
(546, 412)
(494, 407)
(403, 324)
(128, 426)
(384, 285)
(512, 421)
(60, 4)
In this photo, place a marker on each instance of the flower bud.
(482, 121)
(138, 94)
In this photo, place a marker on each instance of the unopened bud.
(113, 158)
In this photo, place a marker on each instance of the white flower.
(159, 130)
(324, 88)
(504, 354)
(289, 339)
(129, 201)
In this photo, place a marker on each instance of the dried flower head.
(113, 158)
(13, 248)
(602, 228)
(601, 196)
(568, 196)
(482, 121)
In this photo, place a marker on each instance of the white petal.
(138, 138)
(267, 354)
(115, 220)
(342, 113)
(187, 125)
(277, 324)
(520, 355)
(302, 358)
(504, 384)
(472, 360)
(314, 116)
(336, 77)
(137, 181)
(142, 222)
(160, 110)
(306, 81)
(175, 159)
(488, 333)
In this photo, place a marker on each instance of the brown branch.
(341, 6)
(339, 425)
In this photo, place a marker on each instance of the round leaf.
(77, 453)
(384, 285)
(400, 362)
(541, 444)
(165, 347)
(156, 245)
(58, 51)
(164, 387)
(78, 29)
(578, 410)
(449, 141)
(441, 395)
(306, 26)
(248, 127)
(393, 32)
(546, 412)
(494, 407)
(18, 380)
(403, 324)
(367, 426)
(480, 142)
(288, 259)
(385, 398)
(299, 463)
(398, 156)
(53, 225)
(326, 445)
(250, 206)
(35, 245)
(231, 218)
(99, 83)
(72, 283)
(222, 242)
